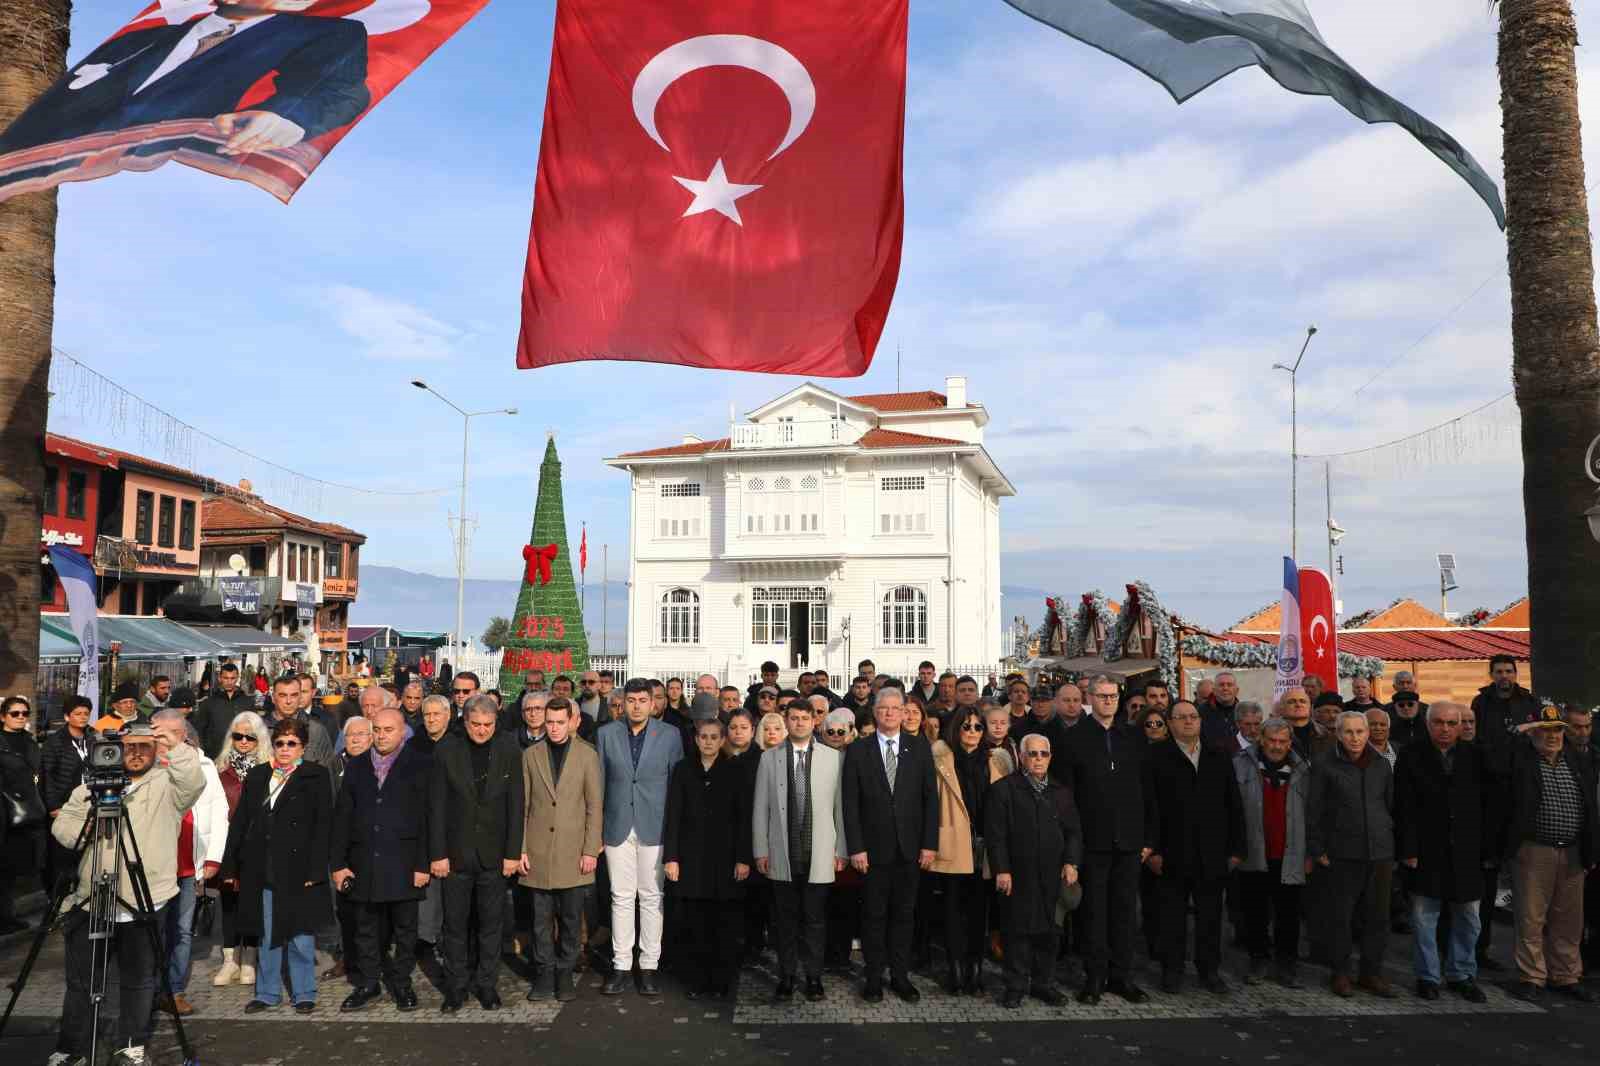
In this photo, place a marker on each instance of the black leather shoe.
(453, 1002)
(1012, 1000)
(256, 1006)
(1050, 997)
(784, 992)
(1528, 993)
(903, 988)
(614, 985)
(489, 999)
(873, 992)
(1128, 991)
(566, 991)
(360, 998)
(647, 983)
(305, 1006)
(1574, 991)
(1427, 990)
(1089, 994)
(1171, 982)
(405, 998)
(1469, 991)
(814, 991)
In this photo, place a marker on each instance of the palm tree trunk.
(33, 53)
(1555, 344)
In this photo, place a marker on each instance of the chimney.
(955, 392)
(690, 438)
(244, 485)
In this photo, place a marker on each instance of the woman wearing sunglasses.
(246, 746)
(21, 847)
(961, 768)
(277, 859)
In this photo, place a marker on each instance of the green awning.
(244, 639)
(155, 639)
(436, 639)
(57, 644)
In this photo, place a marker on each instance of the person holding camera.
(163, 782)
(277, 860)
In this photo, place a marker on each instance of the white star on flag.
(716, 193)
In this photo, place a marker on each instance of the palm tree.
(33, 53)
(1555, 345)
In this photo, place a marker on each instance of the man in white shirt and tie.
(891, 825)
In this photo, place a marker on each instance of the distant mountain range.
(408, 600)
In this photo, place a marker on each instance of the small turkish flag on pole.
(583, 550)
(719, 185)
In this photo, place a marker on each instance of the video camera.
(103, 773)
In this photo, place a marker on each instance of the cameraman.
(164, 781)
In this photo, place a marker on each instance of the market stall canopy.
(1090, 665)
(57, 644)
(243, 639)
(156, 639)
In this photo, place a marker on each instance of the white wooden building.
(824, 529)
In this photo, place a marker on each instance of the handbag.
(205, 916)
(23, 812)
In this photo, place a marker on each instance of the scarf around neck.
(241, 763)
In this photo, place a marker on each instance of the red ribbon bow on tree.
(539, 560)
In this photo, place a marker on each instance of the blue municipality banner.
(306, 601)
(242, 594)
(78, 580)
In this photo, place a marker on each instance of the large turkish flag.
(1319, 634)
(719, 185)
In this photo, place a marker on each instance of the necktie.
(889, 763)
(211, 40)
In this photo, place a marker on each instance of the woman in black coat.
(61, 765)
(706, 848)
(277, 856)
(21, 850)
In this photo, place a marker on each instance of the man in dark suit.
(475, 811)
(891, 828)
(380, 856)
(201, 69)
(1199, 842)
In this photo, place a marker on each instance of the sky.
(1114, 274)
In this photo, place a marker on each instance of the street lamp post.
(1294, 443)
(461, 514)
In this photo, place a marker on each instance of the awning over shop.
(1089, 665)
(243, 639)
(417, 636)
(155, 639)
(57, 644)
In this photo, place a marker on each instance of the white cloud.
(387, 328)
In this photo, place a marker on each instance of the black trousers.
(386, 933)
(757, 914)
(1031, 961)
(798, 908)
(844, 922)
(1268, 902)
(711, 942)
(135, 983)
(1357, 894)
(966, 904)
(463, 892)
(349, 926)
(560, 910)
(1110, 889)
(890, 918)
(1175, 891)
(1491, 889)
(1150, 911)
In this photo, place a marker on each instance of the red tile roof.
(1419, 645)
(893, 438)
(901, 401)
(236, 511)
(114, 457)
(694, 448)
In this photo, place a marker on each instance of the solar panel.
(1447, 561)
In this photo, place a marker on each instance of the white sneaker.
(228, 972)
(129, 1056)
(62, 1058)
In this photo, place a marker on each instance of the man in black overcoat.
(380, 857)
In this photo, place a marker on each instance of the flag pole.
(605, 600)
(583, 575)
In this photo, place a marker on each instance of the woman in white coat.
(200, 844)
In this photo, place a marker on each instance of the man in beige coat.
(560, 844)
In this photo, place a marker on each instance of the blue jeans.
(302, 953)
(180, 934)
(1461, 961)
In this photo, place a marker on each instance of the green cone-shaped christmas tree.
(547, 629)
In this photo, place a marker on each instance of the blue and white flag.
(1291, 668)
(1187, 45)
(77, 578)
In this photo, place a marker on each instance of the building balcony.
(815, 433)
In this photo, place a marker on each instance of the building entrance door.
(799, 634)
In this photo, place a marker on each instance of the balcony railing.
(816, 433)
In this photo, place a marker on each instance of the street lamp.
(1294, 442)
(461, 514)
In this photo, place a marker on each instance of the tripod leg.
(146, 905)
(59, 892)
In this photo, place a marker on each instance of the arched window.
(905, 616)
(680, 617)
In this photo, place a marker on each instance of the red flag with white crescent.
(583, 550)
(1319, 633)
(719, 185)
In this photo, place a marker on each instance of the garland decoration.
(1142, 601)
(1093, 606)
(1240, 656)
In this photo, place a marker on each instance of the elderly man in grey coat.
(1273, 782)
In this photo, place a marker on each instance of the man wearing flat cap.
(1554, 835)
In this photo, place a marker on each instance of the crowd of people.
(939, 826)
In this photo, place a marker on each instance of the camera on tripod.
(103, 772)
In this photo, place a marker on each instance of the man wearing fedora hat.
(1554, 835)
